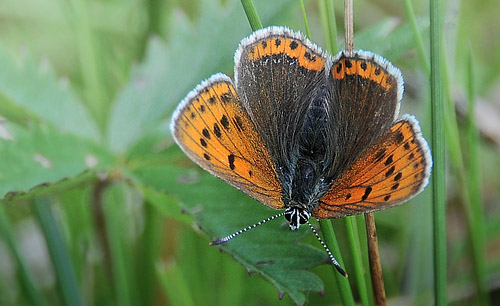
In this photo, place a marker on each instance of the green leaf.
(271, 250)
(39, 155)
(170, 71)
(31, 91)
(84, 178)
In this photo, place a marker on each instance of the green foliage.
(100, 207)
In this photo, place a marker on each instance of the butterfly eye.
(290, 214)
(304, 216)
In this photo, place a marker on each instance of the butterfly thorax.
(308, 163)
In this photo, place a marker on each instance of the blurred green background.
(99, 207)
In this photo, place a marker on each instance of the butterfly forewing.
(277, 73)
(365, 93)
(214, 130)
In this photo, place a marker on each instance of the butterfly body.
(304, 179)
(306, 132)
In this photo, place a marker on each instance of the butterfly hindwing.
(215, 131)
(391, 171)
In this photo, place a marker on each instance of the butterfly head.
(296, 216)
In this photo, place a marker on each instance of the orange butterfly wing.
(215, 131)
(394, 169)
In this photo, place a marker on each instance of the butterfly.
(305, 132)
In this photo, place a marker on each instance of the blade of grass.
(114, 198)
(474, 227)
(477, 232)
(359, 268)
(417, 36)
(306, 24)
(472, 208)
(174, 284)
(252, 16)
(328, 25)
(148, 253)
(456, 158)
(65, 273)
(342, 282)
(438, 151)
(26, 279)
(95, 94)
(419, 278)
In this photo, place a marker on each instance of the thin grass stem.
(252, 16)
(417, 36)
(342, 282)
(354, 244)
(328, 25)
(477, 231)
(438, 151)
(25, 277)
(66, 277)
(306, 24)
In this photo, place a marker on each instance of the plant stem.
(416, 36)
(342, 282)
(26, 279)
(355, 245)
(251, 13)
(374, 258)
(328, 25)
(306, 24)
(349, 25)
(61, 260)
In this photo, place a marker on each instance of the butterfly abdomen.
(309, 168)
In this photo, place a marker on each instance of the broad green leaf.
(37, 155)
(170, 71)
(30, 90)
(84, 178)
(271, 250)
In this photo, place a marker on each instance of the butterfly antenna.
(241, 231)
(333, 260)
